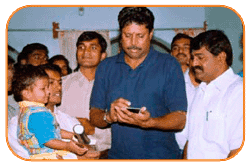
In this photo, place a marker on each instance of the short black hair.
(180, 36)
(138, 15)
(51, 67)
(90, 35)
(25, 77)
(215, 41)
(10, 60)
(28, 49)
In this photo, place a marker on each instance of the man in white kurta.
(75, 102)
(215, 121)
(216, 118)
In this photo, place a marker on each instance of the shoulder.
(69, 79)
(236, 85)
(232, 81)
(168, 64)
(37, 109)
(166, 58)
(107, 64)
(41, 117)
(109, 60)
(70, 76)
(233, 94)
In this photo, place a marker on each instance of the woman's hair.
(24, 78)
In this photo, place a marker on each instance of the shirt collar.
(222, 81)
(186, 76)
(80, 77)
(55, 109)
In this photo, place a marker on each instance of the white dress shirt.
(181, 137)
(215, 122)
(76, 92)
(13, 107)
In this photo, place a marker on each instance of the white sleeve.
(13, 141)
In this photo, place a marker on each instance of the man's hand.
(90, 154)
(119, 103)
(88, 127)
(142, 119)
(74, 148)
(123, 115)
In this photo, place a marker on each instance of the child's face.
(39, 91)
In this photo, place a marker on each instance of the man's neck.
(194, 81)
(221, 71)
(132, 62)
(184, 68)
(89, 73)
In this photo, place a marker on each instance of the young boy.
(38, 130)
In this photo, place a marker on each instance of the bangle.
(105, 119)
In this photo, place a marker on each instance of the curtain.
(67, 43)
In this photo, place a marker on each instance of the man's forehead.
(92, 41)
(39, 52)
(183, 41)
(201, 51)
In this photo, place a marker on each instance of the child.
(38, 130)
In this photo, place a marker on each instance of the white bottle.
(80, 134)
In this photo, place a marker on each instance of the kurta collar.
(222, 81)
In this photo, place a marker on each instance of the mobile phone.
(134, 110)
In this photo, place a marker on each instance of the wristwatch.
(105, 118)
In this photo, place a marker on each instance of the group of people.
(190, 102)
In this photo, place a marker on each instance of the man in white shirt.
(180, 49)
(77, 87)
(215, 123)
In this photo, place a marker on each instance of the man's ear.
(151, 34)
(222, 57)
(103, 56)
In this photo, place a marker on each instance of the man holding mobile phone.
(139, 77)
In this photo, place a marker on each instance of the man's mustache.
(134, 47)
(181, 54)
(197, 67)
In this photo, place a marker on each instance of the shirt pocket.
(214, 127)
